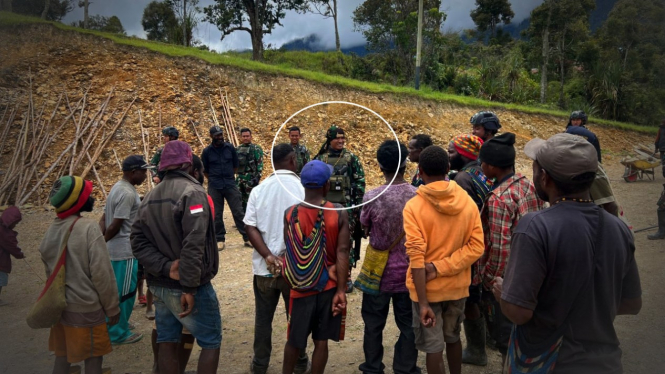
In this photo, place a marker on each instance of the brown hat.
(563, 156)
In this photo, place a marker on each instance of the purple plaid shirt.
(384, 217)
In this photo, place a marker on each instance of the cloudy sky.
(295, 25)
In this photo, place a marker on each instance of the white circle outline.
(272, 162)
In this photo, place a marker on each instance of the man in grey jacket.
(173, 237)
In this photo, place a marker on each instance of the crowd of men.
(537, 269)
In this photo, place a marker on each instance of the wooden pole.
(99, 180)
(105, 142)
(197, 133)
(117, 159)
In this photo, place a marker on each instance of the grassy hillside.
(287, 68)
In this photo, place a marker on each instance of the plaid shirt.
(505, 206)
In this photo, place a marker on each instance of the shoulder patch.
(196, 209)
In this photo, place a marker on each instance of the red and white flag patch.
(195, 209)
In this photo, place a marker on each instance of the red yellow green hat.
(68, 195)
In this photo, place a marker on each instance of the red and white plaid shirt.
(505, 206)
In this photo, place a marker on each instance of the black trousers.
(375, 314)
(232, 196)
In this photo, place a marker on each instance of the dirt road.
(25, 350)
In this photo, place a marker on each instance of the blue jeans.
(205, 321)
(375, 314)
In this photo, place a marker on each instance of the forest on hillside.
(568, 57)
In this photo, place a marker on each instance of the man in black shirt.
(220, 162)
(572, 268)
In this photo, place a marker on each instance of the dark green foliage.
(57, 8)
(160, 23)
(100, 23)
(489, 13)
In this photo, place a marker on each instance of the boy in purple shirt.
(382, 220)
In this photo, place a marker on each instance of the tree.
(390, 28)
(46, 6)
(100, 23)
(85, 4)
(160, 23)
(186, 12)
(262, 16)
(56, 8)
(488, 14)
(328, 9)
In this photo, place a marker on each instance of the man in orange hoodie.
(444, 237)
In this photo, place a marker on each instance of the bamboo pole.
(46, 174)
(197, 133)
(226, 106)
(99, 180)
(117, 159)
(105, 142)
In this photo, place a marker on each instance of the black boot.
(474, 353)
(660, 234)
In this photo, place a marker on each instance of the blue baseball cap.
(315, 174)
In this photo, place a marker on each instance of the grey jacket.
(174, 221)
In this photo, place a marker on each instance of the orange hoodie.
(442, 226)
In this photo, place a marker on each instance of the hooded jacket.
(443, 226)
(8, 240)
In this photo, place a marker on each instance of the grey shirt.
(122, 203)
(551, 256)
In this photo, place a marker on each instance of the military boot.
(474, 353)
(660, 234)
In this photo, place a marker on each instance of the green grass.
(240, 61)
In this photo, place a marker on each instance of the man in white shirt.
(264, 222)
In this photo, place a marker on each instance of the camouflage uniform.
(347, 187)
(154, 161)
(250, 167)
(302, 156)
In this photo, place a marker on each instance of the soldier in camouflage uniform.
(250, 165)
(302, 153)
(347, 184)
(168, 134)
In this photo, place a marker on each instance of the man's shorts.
(79, 343)
(449, 317)
(313, 314)
(205, 321)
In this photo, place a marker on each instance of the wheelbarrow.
(639, 166)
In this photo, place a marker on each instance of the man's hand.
(427, 317)
(174, 273)
(113, 320)
(497, 288)
(332, 272)
(156, 180)
(187, 303)
(430, 271)
(274, 264)
(338, 303)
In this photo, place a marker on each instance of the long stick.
(99, 180)
(226, 105)
(197, 133)
(117, 159)
(46, 174)
(105, 142)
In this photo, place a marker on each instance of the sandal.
(142, 300)
(150, 315)
(131, 339)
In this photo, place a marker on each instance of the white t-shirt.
(265, 210)
(122, 203)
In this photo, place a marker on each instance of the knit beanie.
(175, 154)
(69, 194)
(499, 151)
(467, 145)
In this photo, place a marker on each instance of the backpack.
(305, 267)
